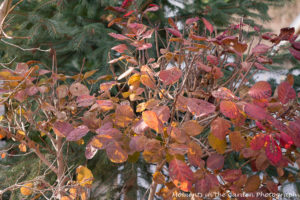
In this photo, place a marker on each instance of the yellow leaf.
(80, 142)
(22, 147)
(216, 143)
(84, 176)
(73, 193)
(42, 134)
(134, 80)
(25, 190)
(89, 73)
(126, 94)
(20, 111)
(141, 107)
(5, 74)
(21, 132)
(1, 118)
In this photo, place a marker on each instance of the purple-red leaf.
(224, 94)
(199, 107)
(118, 36)
(191, 20)
(174, 32)
(260, 66)
(120, 48)
(208, 25)
(286, 92)
(295, 53)
(215, 162)
(181, 175)
(220, 128)
(257, 142)
(170, 76)
(152, 8)
(260, 90)
(62, 129)
(260, 49)
(85, 100)
(255, 112)
(78, 133)
(273, 151)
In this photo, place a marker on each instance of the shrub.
(192, 112)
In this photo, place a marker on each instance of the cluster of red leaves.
(177, 109)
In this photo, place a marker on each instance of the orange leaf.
(229, 109)
(151, 119)
(192, 128)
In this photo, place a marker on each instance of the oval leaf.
(181, 175)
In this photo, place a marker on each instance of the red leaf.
(229, 109)
(295, 53)
(285, 34)
(120, 48)
(257, 142)
(285, 140)
(174, 32)
(260, 90)
(137, 143)
(208, 25)
(152, 8)
(202, 186)
(191, 20)
(217, 72)
(126, 3)
(294, 131)
(255, 112)
(215, 162)
(296, 45)
(62, 129)
(203, 67)
(286, 92)
(220, 128)
(170, 76)
(260, 66)
(212, 60)
(194, 155)
(145, 46)
(128, 13)
(77, 133)
(181, 175)
(118, 36)
(199, 107)
(260, 49)
(224, 94)
(85, 100)
(273, 151)
(231, 175)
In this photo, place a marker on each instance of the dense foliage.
(182, 103)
